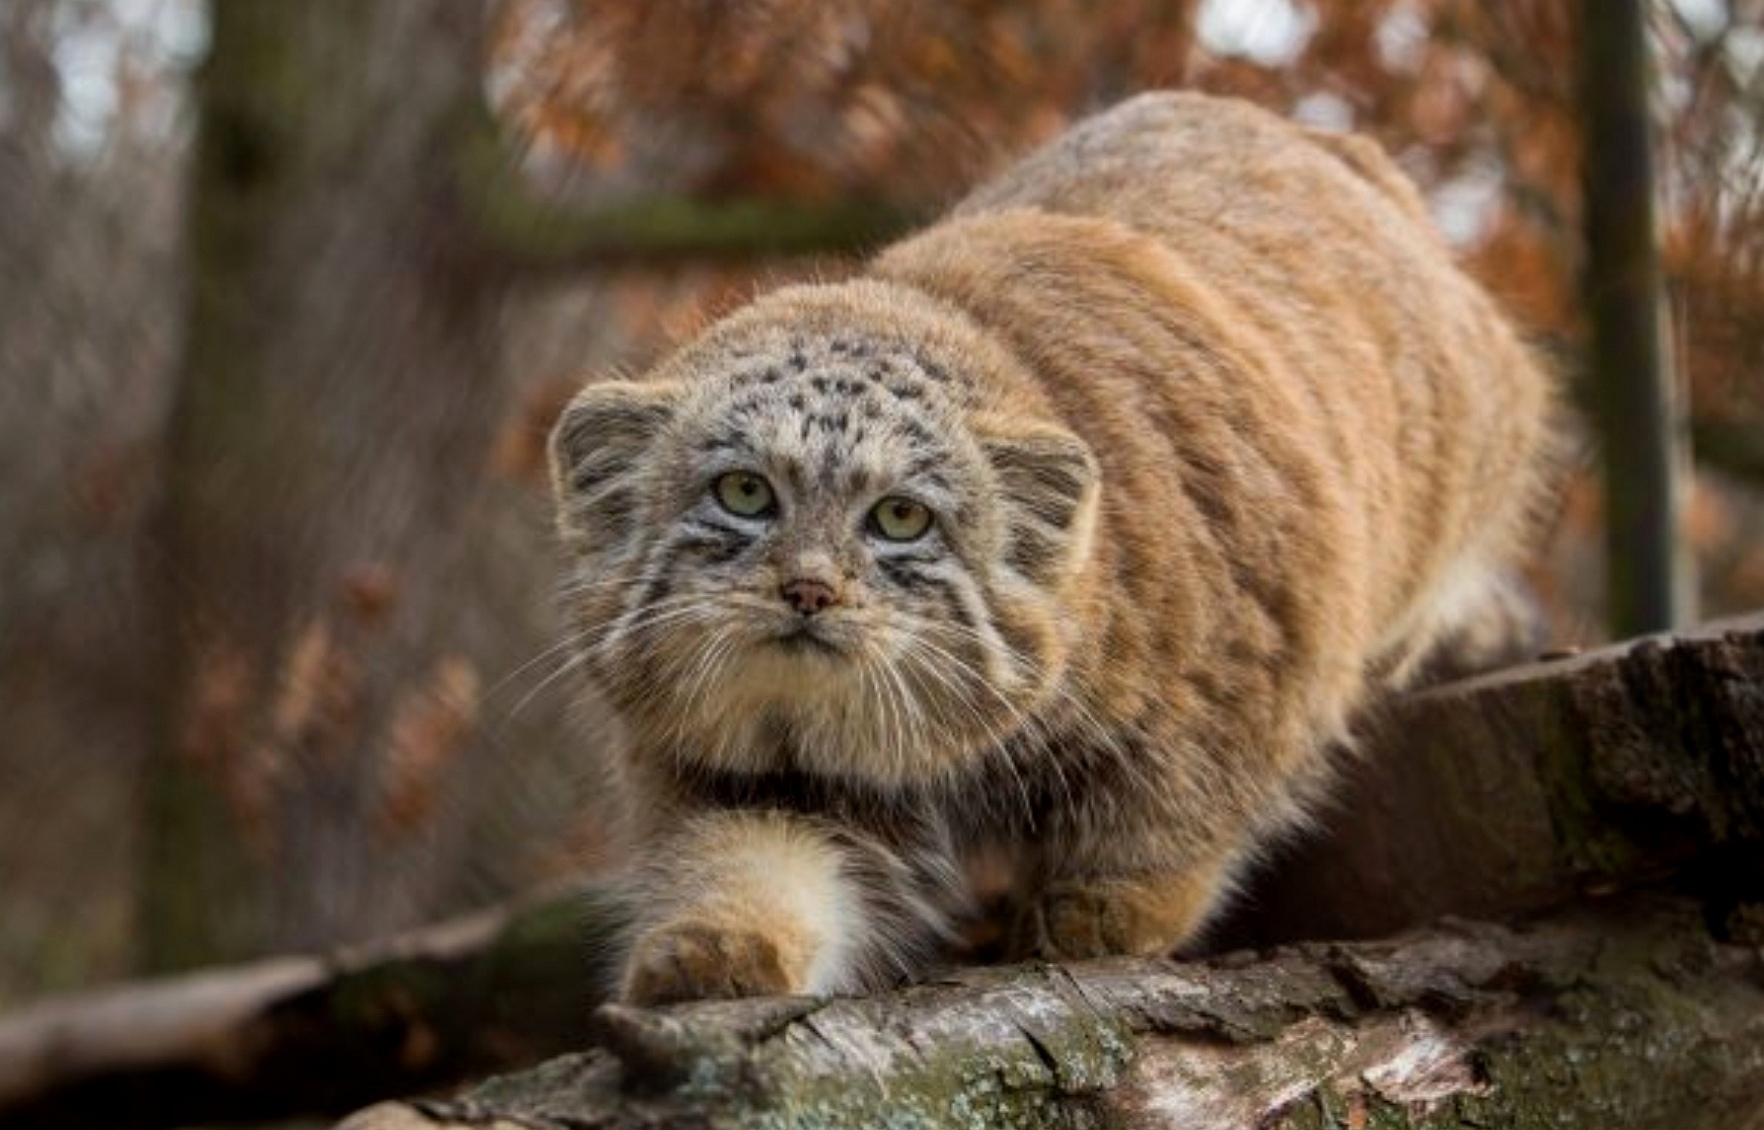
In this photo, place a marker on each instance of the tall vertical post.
(1650, 575)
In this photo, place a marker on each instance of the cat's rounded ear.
(1050, 483)
(597, 451)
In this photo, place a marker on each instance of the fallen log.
(1624, 1013)
(1514, 791)
(323, 1035)
(1488, 798)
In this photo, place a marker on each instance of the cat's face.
(803, 547)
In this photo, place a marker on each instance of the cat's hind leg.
(1489, 619)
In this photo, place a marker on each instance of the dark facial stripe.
(658, 587)
(1033, 552)
(711, 541)
(909, 557)
(714, 551)
(615, 506)
(904, 574)
(957, 610)
(967, 647)
(714, 525)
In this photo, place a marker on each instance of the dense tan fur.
(1217, 441)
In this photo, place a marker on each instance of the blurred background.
(290, 293)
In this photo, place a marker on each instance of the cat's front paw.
(1073, 921)
(696, 961)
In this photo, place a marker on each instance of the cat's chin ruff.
(876, 728)
(830, 744)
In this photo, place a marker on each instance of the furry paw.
(1070, 923)
(694, 961)
(1075, 921)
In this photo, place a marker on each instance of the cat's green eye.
(744, 493)
(900, 519)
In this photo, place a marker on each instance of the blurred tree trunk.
(328, 454)
(1641, 434)
(89, 313)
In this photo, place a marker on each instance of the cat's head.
(816, 539)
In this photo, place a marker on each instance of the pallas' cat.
(1079, 523)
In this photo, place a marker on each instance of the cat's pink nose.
(810, 596)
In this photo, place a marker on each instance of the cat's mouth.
(806, 639)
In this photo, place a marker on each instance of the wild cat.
(1080, 523)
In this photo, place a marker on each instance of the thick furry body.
(1215, 441)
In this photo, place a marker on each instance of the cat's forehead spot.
(839, 413)
(891, 366)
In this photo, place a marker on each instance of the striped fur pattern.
(1211, 441)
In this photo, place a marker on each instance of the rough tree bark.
(1622, 1014)
(1517, 790)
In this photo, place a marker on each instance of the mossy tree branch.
(530, 230)
(1620, 1014)
(554, 236)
